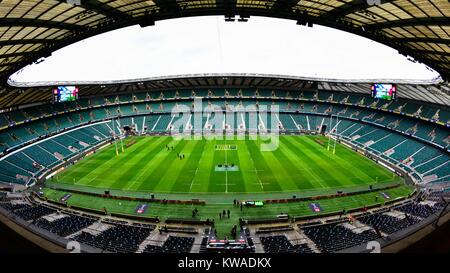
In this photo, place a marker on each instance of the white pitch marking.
(260, 183)
(192, 182)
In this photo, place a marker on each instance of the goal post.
(336, 134)
(332, 142)
(114, 137)
(329, 134)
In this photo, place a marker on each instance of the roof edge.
(17, 84)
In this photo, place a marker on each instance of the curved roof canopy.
(32, 29)
(434, 93)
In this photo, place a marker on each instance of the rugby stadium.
(224, 163)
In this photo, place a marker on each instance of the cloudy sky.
(211, 45)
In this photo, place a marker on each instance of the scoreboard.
(384, 91)
(65, 93)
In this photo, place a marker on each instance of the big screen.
(65, 93)
(384, 91)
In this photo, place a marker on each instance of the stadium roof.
(436, 93)
(30, 30)
(33, 29)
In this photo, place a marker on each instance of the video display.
(384, 91)
(65, 93)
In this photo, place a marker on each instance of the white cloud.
(210, 45)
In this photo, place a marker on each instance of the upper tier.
(428, 112)
(419, 121)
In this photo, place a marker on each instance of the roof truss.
(402, 24)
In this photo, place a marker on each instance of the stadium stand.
(3, 196)
(280, 244)
(173, 244)
(34, 212)
(417, 209)
(14, 207)
(388, 224)
(395, 146)
(66, 225)
(40, 137)
(333, 237)
(118, 238)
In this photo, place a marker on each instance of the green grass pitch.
(299, 164)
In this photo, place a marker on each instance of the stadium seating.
(67, 225)
(14, 207)
(388, 224)
(333, 237)
(18, 116)
(49, 152)
(407, 107)
(173, 244)
(34, 212)
(400, 140)
(417, 209)
(119, 238)
(280, 244)
(36, 158)
(3, 197)
(162, 124)
(38, 154)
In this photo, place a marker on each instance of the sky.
(211, 45)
